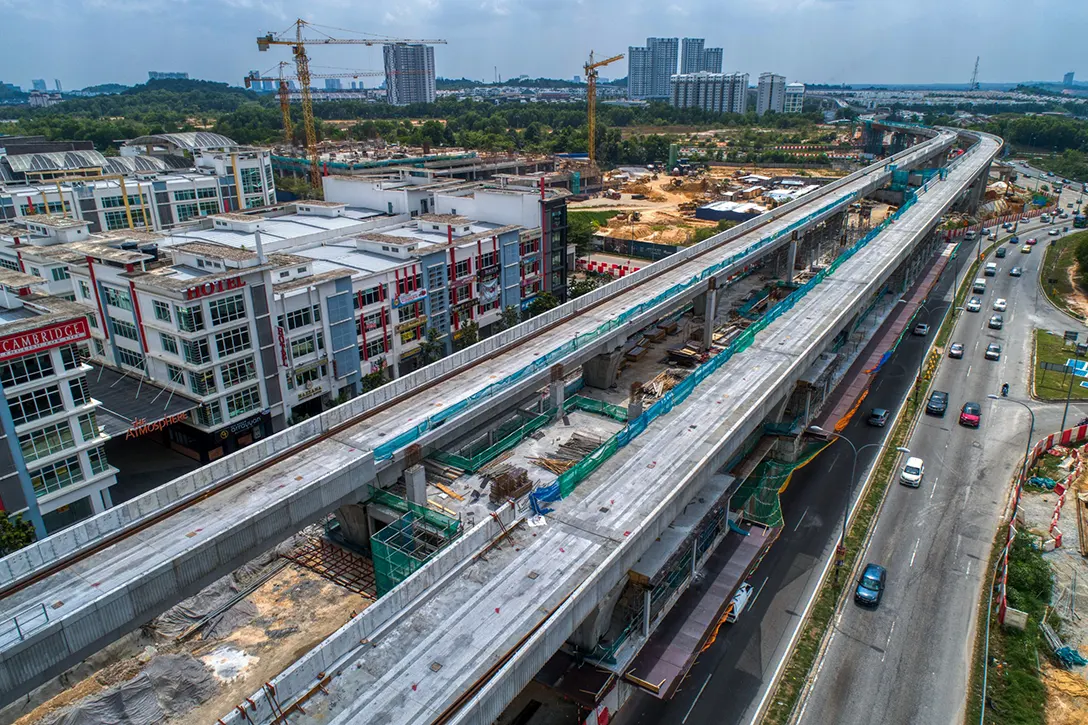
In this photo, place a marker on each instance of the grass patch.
(1050, 385)
(1047, 467)
(600, 217)
(1015, 693)
(1054, 273)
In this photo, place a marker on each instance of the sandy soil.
(1078, 301)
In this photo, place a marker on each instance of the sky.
(86, 42)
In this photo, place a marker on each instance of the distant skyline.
(812, 41)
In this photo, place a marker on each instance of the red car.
(1033, 241)
(971, 415)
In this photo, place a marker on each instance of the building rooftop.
(329, 272)
(17, 280)
(236, 217)
(54, 220)
(215, 251)
(444, 218)
(55, 161)
(188, 140)
(38, 310)
(318, 202)
(102, 250)
(132, 401)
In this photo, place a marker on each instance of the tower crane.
(297, 43)
(591, 99)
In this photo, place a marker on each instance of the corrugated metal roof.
(188, 140)
(145, 164)
(55, 161)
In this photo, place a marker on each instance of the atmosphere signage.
(409, 297)
(204, 289)
(43, 338)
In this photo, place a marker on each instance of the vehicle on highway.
(1054, 232)
(1007, 226)
(996, 322)
(1001, 304)
(979, 286)
(1069, 205)
(993, 351)
(969, 236)
(921, 329)
(971, 415)
(974, 304)
(955, 350)
(1024, 219)
(992, 234)
(1014, 240)
(937, 403)
(991, 269)
(1045, 218)
(912, 472)
(871, 585)
(1016, 272)
(878, 417)
(1000, 254)
(1032, 241)
(739, 602)
(1025, 249)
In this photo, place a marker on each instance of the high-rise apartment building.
(717, 92)
(56, 84)
(156, 75)
(38, 84)
(1067, 81)
(691, 57)
(712, 60)
(333, 84)
(639, 68)
(772, 93)
(794, 98)
(651, 68)
(409, 73)
(737, 97)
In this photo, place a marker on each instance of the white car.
(1054, 232)
(974, 304)
(1000, 304)
(739, 602)
(912, 472)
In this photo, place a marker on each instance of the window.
(119, 220)
(113, 202)
(59, 274)
(232, 341)
(46, 441)
(125, 329)
(209, 207)
(70, 357)
(9, 264)
(462, 269)
(169, 343)
(489, 259)
(130, 358)
(185, 195)
(243, 401)
(185, 212)
(202, 383)
(208, 192)
(84, 290)
(409, 312)
(56, 476)
(78, 388)
(36, 404)
(27, 368)
(227, 309)
(88, 426)
(408, 284)
(412, 335)
(307, 376)
(209, 414)
(492, 305)
(55, 207)
(237, 372)
(462, 293)
(371, 321)
(253, 202)
(190, 319)
(302, 346)
(117, 298)
(99, 348)
(372, 296)
(36, 272)
(251, 181)
(97, 457)
(177, 375)
(162, 310)
(530, 247)
(196, 352)
(299, 318)
(375, 347)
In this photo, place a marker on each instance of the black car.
(871, 585)
(1000, 252)
(1016, 272)
(878, 417)
(937, 403)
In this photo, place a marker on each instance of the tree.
(542, 303)
(15, 533)
(432, 348)
(511, 316)
(470, 335)
(586, 284)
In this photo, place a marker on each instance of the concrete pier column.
(646, 613)
(710, 311)
(634, 403)
(791, 258)
(355, 524)
(415, 484)
(557, 390)
(600, 371)
(595, 626)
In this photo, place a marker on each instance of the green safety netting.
(589, 405)
(508, 439)
(409, 542)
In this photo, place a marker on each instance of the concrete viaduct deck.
(74, 592)
(462, 637)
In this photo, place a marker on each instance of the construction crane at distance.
(974, 76)
(591, 99)
(298, 43)
(284, 90)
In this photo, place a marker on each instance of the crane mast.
(591, 99)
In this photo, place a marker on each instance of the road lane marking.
(934, 487)
(800, 520)
(888, 643)
(758, 591)
(914, 554)
(968, 567)
(696, 700)
(969, 367)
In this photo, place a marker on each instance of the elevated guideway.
(76, 591)
(464, 635)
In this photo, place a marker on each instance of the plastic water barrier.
(568, 481)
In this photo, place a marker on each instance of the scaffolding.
(408, 543)
(758, 498)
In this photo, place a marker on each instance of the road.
(727, 679)
(909, 658)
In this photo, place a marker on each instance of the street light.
(841, 548)
(1031, 430)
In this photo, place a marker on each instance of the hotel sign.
(206, 289)
(43, 338)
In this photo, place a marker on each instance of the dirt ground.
(1078, 301)
(296, 609)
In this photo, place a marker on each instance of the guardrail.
(33, 618)
(136, 512)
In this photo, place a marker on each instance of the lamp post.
(1031, 430)
(841, 548)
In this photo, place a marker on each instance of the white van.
(979, 286)
(969, 236)
(739, 602)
